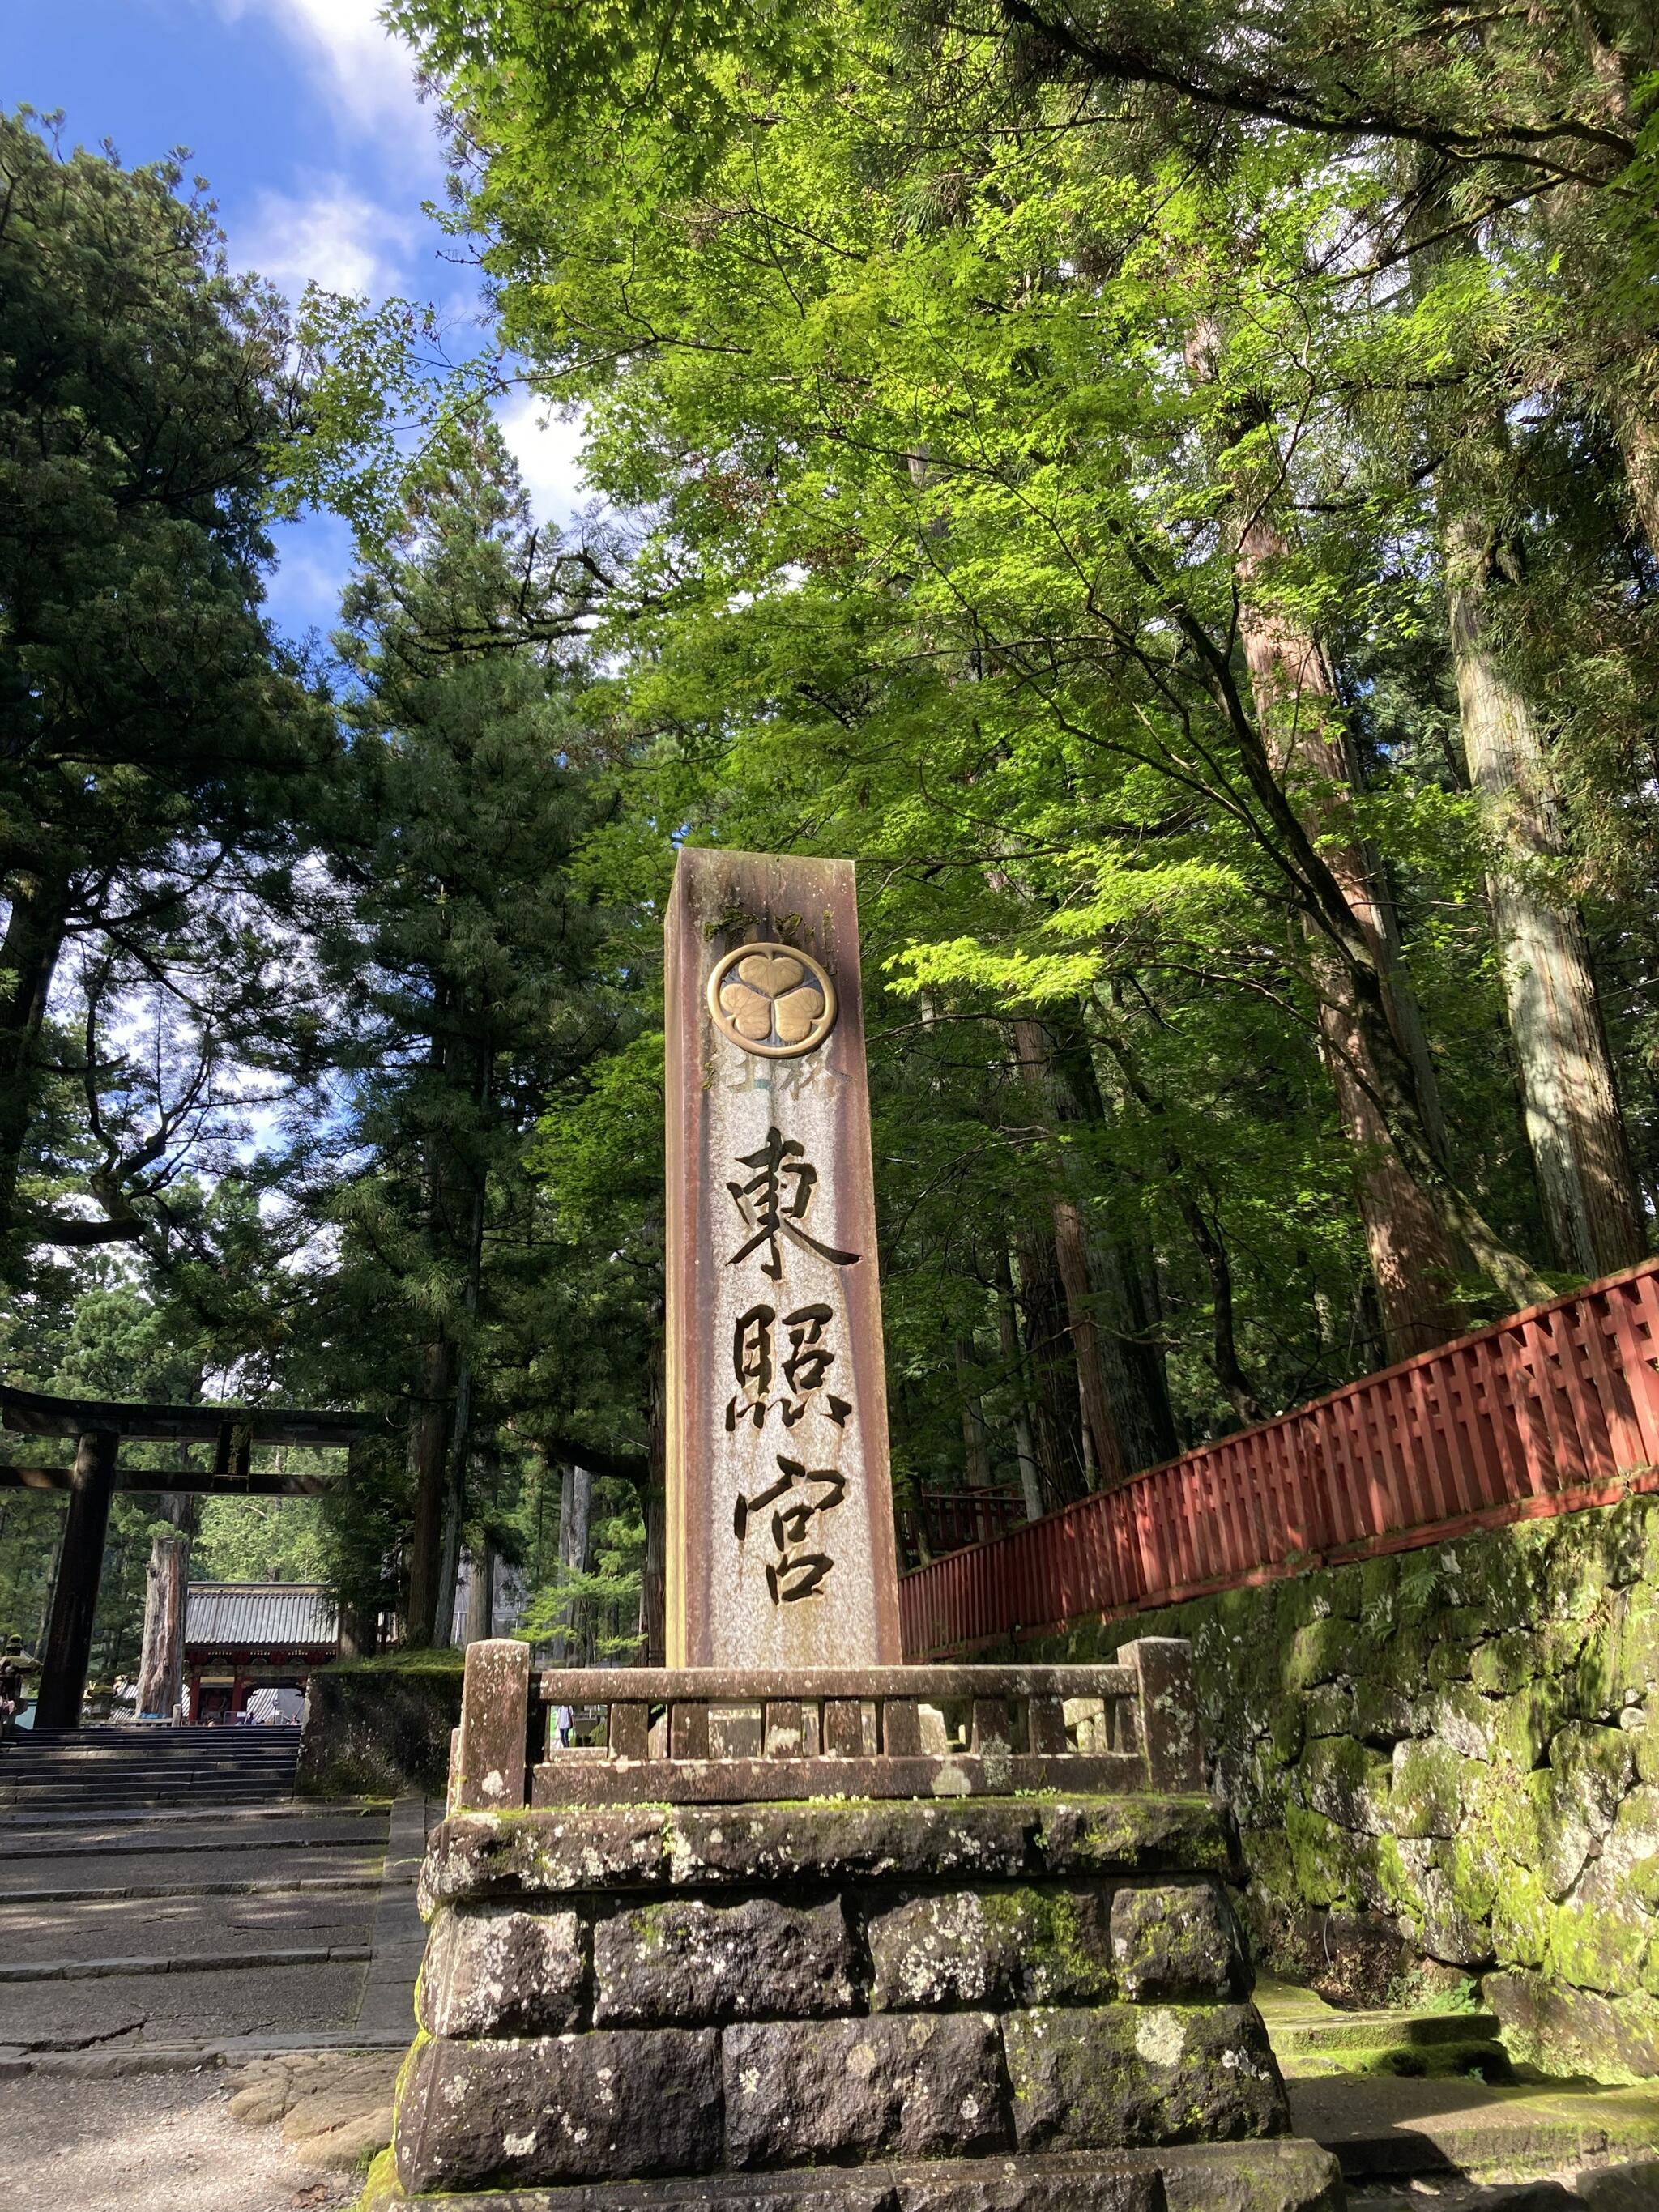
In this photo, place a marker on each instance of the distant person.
(11, 1683)
(562, 1721)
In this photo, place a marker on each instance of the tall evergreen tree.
(155, 742)
(465, 956)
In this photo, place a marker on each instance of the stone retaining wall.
(614, 1993)
(379, 1727)
(1445, 1764)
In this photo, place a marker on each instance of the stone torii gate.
(99, 1427)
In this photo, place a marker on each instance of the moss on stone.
(1345, 1780)
(1515, 1673)
(1378, 1580)
(1593, 1949)
(1506, 1663)
(1386, 1705)
(1287, 1729)
(1472, 1725)
(1324, 1651)
(1398, 1879)
(1474, 1873)
(1345, 1589)
(1449, 1661)
(1503, 1576)
(1521, 1919)
(1531, 1718)
(1331, 1866)
(1596, 1767)
(1426, 1797)
(1328, 1710)
(1644, 1742)
(1636, 1664)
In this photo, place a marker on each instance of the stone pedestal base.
(993, 2004)
(1285, 2176)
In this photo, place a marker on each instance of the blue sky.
(302, 115)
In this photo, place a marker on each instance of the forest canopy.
(1172, 495)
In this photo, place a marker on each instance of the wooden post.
(779, 1549)
(75, 1593)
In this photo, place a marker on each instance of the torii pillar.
(75, 1591)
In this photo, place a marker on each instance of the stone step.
(199, 1962)
(138, 1801)
(221, 1743)
(306, 1884)
(1630, 2185)
(1382, 2031)
(1313, 2041)
(189, 2001)
(45, 1938)
(152, 1833)
(1266, 2177)
(297, 1813)
(1482, 2062)
(123, 1739)
(115, 1761)
(115, 1757)
(1388, 2128)
(257, 1774)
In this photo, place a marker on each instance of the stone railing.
(653, 1735)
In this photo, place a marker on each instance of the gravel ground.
(154, 2143)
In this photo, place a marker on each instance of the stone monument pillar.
(753, 1939)
(780, 1513)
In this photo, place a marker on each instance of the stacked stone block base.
(995, 2005)
(1286, 2176)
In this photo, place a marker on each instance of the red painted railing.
(1555, 1408)
(950, 1519)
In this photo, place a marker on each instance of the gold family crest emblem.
(772, 1000)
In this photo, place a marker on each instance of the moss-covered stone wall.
(1444, 1765)
(380, 1728)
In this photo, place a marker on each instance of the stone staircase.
(68, 1773)
(1312, 2040)
(1428, 2104)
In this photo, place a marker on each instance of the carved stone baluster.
(783, 1738)
(843, 1727)
(630, 1731)
(900, 1728)
(1046, 1725)
(990, 1723)
(688, 1731)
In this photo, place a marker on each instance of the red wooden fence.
(1555, 1408)
(948, 1520)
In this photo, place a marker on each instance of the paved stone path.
(204, 2012)
(163, 1933)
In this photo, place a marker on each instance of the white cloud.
(367, 74)
(549, 453)
(333, 236)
